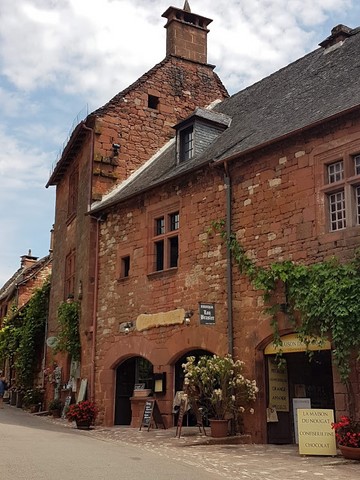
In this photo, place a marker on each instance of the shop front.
(302, 379)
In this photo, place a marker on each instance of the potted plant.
(218, 386)
(347, 432)
(33, 399)
(55, 407)
(83, 413)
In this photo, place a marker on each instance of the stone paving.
(228, 460)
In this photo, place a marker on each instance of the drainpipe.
(93, 327)
(227, 180)
(94, 313)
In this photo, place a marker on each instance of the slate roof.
(311, 90)
(22, 275)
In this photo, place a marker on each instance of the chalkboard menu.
(151, 415)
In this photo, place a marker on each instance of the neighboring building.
(105, 150)
(280, 161)
(18, 290)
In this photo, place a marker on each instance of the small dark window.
(125, 266)
(153, 102)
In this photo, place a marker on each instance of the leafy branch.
(322, 299)
(69, 336)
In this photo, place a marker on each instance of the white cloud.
(56, 56)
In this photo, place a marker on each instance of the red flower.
(85, 411)
(347, 432)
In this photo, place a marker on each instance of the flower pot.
(82, 424)
(351, 453)
(219, 428)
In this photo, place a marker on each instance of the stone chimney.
(338, 34)
(186, 35)
(28, 260)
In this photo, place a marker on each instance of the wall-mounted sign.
(316, 437)
(278, 386)
(291, 343)
(207, 313)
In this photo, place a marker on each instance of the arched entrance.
(131, 371)
(304, 381)
(189, 419)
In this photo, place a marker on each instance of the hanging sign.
(278, 386)
(316, 437)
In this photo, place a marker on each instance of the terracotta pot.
(219, 428)
(351, 453)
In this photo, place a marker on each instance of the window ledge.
(162, 273)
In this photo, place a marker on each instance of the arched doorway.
(303, 381)
(131, 371)
(189, 419)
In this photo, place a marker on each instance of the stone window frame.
(348, 183)
(166, 236)
(123, 264)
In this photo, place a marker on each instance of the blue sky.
(62, 58)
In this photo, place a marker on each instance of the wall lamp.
(187, 317)
(128, 326)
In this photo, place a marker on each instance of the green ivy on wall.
(322, 299)
(69, 336)
(23, 334)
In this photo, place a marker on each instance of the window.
(186, 144)
(343, 192)
(125, 266)
(153, 102)
(166, 241)
(73, 193)
(70, 274)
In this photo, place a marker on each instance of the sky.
(62, 59)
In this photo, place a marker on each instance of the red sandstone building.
(142, 180)
(18, 290)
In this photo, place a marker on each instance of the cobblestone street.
(228, 461)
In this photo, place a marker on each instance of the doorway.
(303, 377)
(131, 371)
(189, 417)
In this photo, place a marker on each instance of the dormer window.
(197, 132)
(186, 144)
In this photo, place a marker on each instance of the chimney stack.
(186, 35)
(338, 34)
(28, 260)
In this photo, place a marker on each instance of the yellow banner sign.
(278, 387)
(291, 343)
(316, 437)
